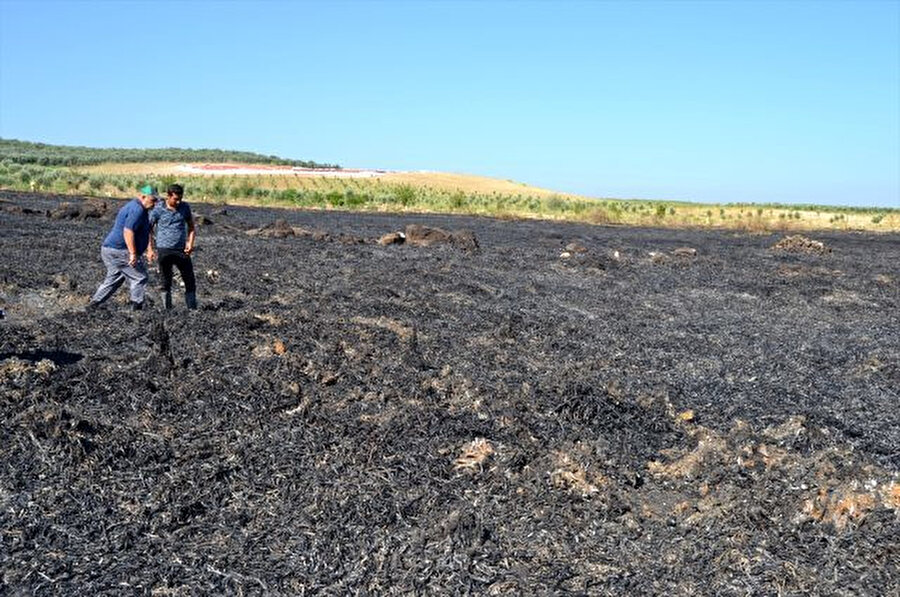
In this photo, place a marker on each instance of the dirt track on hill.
(554, 409)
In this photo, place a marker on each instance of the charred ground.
(526, 408)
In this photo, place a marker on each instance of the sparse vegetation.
(70, 170)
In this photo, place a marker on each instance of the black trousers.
(177, 258)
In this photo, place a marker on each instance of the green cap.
(149, 189)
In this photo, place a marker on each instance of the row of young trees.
(373, 194)
(322, 192)
(26, 152)
(368, 194)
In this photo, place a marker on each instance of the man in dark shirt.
(173, 228)
(123, 250)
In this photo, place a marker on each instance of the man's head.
(148, 195)
(174, 195)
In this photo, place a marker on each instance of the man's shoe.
(190, 299)
(137, 306)
(92, 306)
(167, 300)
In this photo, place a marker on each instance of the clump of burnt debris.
(488, 407)
(797, 243)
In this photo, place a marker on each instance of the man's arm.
(150, 252)
(128, 235)
(191, 235)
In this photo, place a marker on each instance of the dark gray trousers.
(117, 271)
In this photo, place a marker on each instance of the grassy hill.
(117, 172)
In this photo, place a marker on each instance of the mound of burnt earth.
(797, 243)
(277, 229)
(92, 208)
(426, 236)
(658, 413)
(418, 235)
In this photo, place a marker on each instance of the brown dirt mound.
(425, 236)
(798, 243)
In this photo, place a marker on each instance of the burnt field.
(517, 407)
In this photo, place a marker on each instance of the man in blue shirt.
(123, 250)
(173, 228)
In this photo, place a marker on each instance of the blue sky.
(753, 101)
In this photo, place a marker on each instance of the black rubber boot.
(190, 299)
(167, 299)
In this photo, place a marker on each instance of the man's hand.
(132, 259)
(150, 255)
(188, 248)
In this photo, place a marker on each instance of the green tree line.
(26, 152)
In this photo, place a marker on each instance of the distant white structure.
(247, 170)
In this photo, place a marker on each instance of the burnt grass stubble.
(341, 417)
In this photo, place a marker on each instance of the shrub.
(334, 198)
(48, 177)
(598, 215)
(457, 199)
(405, 194)
(288, 195)
(352, 199)
(97, 183)
(555, 203)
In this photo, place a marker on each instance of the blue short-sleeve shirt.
(134, 217)
(171, 225)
